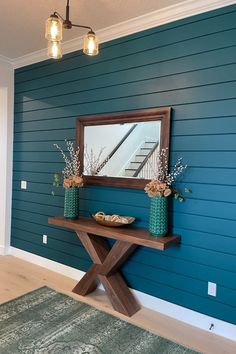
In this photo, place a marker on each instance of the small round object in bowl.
(112, 220)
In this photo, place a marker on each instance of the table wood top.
(131, 234)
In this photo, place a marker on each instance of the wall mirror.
(120, 149)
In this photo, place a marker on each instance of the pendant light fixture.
(53, 33)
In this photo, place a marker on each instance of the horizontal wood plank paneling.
(142, 92)
(142, 72)
(192, 110)
(191, 79)
(51, 253)
(157, 54)
(189, 65)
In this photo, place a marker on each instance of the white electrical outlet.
(211, 289)
(45, 239)
(23, 184)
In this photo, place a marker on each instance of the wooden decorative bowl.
(130, 219)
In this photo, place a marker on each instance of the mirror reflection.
(122, 150)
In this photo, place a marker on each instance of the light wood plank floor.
(18, 277)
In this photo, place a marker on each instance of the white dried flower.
(71, 172)
(162, 180)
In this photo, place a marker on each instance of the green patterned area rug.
(47, 322)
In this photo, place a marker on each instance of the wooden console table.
(108, 261)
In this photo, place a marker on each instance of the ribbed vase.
(158, 217)
(71, 205)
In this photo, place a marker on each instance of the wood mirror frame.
(156, 114)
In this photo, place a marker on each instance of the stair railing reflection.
(150, 165)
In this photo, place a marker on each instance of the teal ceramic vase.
(71, 206)
(158, 217)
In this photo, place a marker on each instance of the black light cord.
(66, 22)
(68, 10)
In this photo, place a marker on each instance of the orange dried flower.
(67, 183)
(74, 181)
(77, 181)
(156, 188)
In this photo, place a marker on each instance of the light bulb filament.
(54, 30)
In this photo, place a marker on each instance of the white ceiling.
(22, 21)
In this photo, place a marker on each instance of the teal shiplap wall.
(189, 65)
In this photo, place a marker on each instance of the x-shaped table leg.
(105, 268)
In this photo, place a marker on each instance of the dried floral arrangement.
(161, 184)
(93, 164)
(71, 172)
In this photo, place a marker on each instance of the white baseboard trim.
(177, 312)
(47, 263)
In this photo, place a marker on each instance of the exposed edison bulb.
(91, 44)
(54, 49)
(53, 30)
